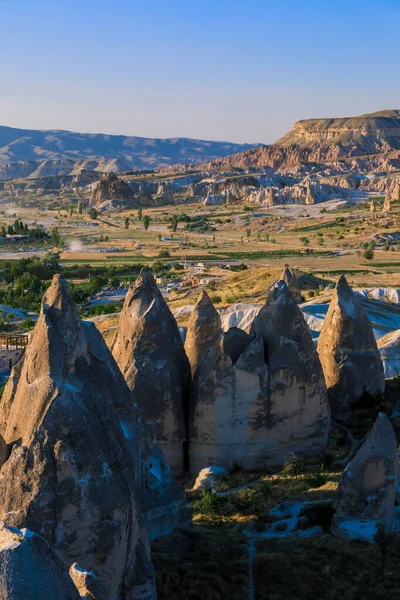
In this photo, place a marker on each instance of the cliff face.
(111, 190)
(316, 140)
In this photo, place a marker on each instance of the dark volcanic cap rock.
(149, 351)
(75, 471)
(368, 485)
(203, 331)
(348, 352)
(29, 569)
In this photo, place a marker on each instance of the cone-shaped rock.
(149, 351)
(298, 413)
(271, 198)
(367, 488)
(291, 281)
(30, 570)
(387, 203)
(348, 352)
(372, 206)
(229, 404)
(76, 470)
(203, 331)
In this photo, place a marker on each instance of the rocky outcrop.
(372, 206)
(4, 451)
(291, 281)
(297, 414)
(348, 352)
(203, 331)
(321, 140)
(271, 198)
(214, 199)
(230, 393)
(387, 203)
(149, 351)
(367, 488)
(79, 451)
(29, 569)
(207, 478)
(310, 198)
(87, 583)
(111, 191)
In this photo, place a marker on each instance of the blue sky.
(227, 70)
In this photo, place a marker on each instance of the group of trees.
(20, 228)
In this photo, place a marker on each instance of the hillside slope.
(117, 151)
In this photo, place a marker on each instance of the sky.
(236, 70)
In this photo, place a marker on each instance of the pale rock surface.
(87, 583)
(203, 331)
(367, 488)
(310, 198)
(208, 477)
(291, 281)
(149, 351)
(78, 451)
(30, 570)
(348, 352)
(229, 405)
(296, 414)
(387, 204)
(214, 199)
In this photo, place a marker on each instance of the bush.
(164, 254)
(243, 500)
(368, 254)
(209, 503)
(294, 465)
(216, 299)
(241, 267)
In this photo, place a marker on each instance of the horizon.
(209, 72)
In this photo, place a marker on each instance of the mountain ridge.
(134, 152)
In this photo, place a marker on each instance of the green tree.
(140, 214)
(80, 207)
(55, 237)
(92, 213)
(248, 233)
(174, 223)
(146, 222)
(53, 259)
(126, 222)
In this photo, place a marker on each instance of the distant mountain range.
(108, 152)
(319, 140)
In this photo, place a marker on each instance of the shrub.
(164, 254)
(294, 465)
(243, 500)
(216, 299)
(368, 254)
(209, 503)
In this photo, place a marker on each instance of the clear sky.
(237, 70)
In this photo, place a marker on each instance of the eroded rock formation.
(298, 414)
(230, 393)
(290, 279)
(367, 488)
(348, 352)
(30, 570)
(79, 451)
(111, 190)
(149, 351)
(203, 331)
